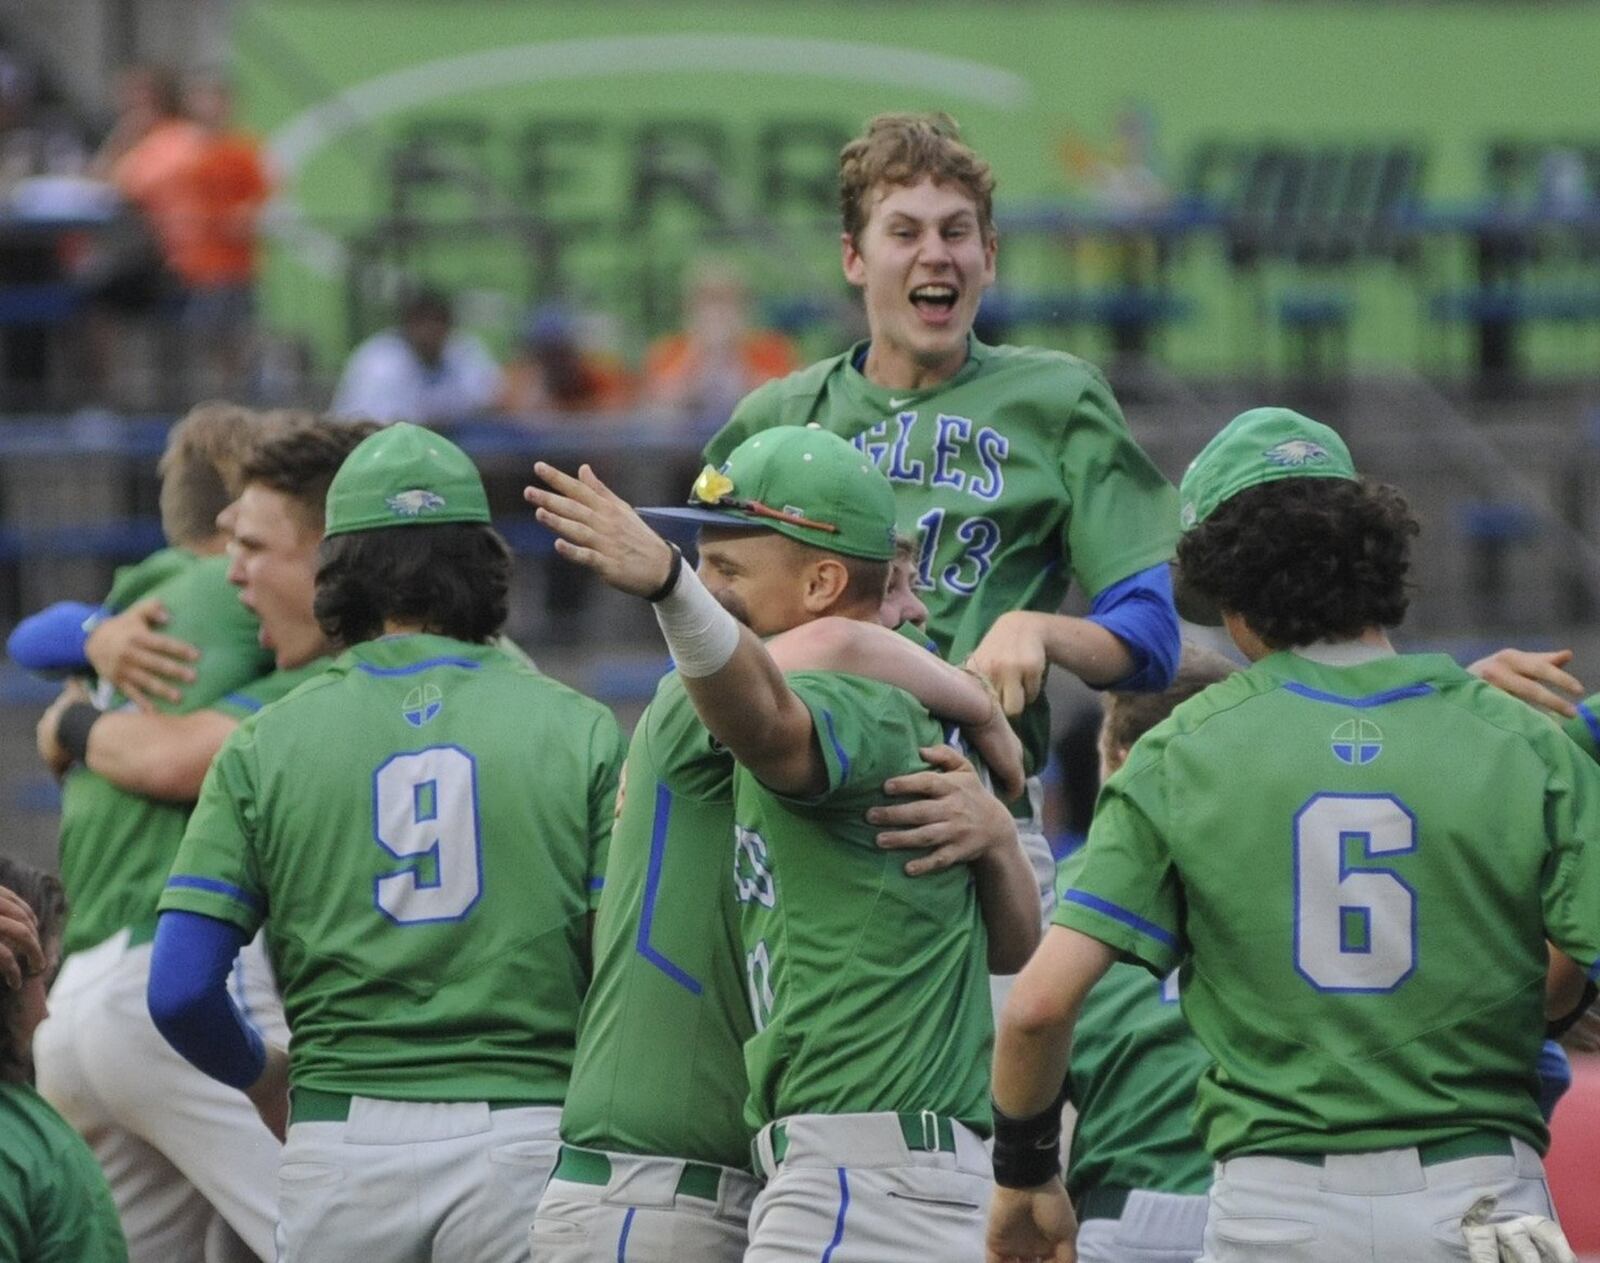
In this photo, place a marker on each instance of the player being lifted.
(426, 822)
(1361, 926)
(867, 985)
(1013, 464)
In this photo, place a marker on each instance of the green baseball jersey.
(133, 582)
(1135, 1067)
(420, 827)
(1017, 475)
(1585, 729)
(54, 1203)
(117, 846)
(660, 1065)
(870, 989)
(1358, 868)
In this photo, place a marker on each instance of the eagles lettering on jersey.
(1018, 476)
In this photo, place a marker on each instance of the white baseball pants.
(648, 1210)
(1362, 1208)
(177, 1147)
(1153, 1228)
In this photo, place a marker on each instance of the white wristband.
(701, 635)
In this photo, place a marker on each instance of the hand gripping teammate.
(867, 986)
(1361, 927)
(425, 821)
(172, 1170)
(1013, 464)
(655, 1159)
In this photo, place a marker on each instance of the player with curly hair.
(1360, 915)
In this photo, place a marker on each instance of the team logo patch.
(422, 705)
(1357, 742)
(414, 503)
(1293, 453)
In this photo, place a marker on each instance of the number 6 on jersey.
(425, 807)
(1355, 929)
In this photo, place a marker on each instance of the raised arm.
(737, 689)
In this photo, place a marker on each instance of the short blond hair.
(901, 149)
(201, 468)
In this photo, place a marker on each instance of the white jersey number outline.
(1355, 928)
(758, 968)
(425, 806)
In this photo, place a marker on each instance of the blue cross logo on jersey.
(422, 704)
(1357, 742)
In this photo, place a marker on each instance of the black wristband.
(72, 729)
(671, 584)
(1027, 1151)
(1561, 1025)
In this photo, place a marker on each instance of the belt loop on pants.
(589, 1166)
(1474, 1144)
(923, 1132)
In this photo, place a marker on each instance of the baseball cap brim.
(1193, 605)
(702, 517)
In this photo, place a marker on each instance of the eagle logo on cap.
(711, 486)
(414, 503)
(1292, 453)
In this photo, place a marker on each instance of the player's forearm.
(1093, 654)
(189, 1001)
(1008, 898)
(866, 649)
(750, 709)
(159, 756)
(1035, 1031)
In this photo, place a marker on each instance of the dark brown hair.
(301, 461)
(41, 892)
(1305, 559)
(452, 578)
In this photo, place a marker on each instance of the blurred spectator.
(719, 357)
(215, 257)
(553, 372)
(35, 138)
(421, 371)
(145, 158)
(1123, 175)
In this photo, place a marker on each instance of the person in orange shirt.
(215, 256)
(719, 357)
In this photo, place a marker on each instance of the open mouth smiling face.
(922, 264)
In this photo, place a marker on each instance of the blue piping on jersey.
(597, 883)
(1361, 703)
(838, 750)
(838, 1227)
(252, 902)
(1148, 928)
(243, 702)
(652, 887)
(622, 1241)
(466, 664)
(1591, 720)
(1594, 972)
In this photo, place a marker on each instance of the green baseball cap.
(405, 475)
(1259, 446)
(803, 482)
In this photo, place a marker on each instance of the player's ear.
(825, 584)
(855, 267)
(991, 249)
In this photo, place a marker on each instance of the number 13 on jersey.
(1355, 921)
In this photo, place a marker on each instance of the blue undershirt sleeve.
(189, 1000)
(1138, 611)
(51, 641)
